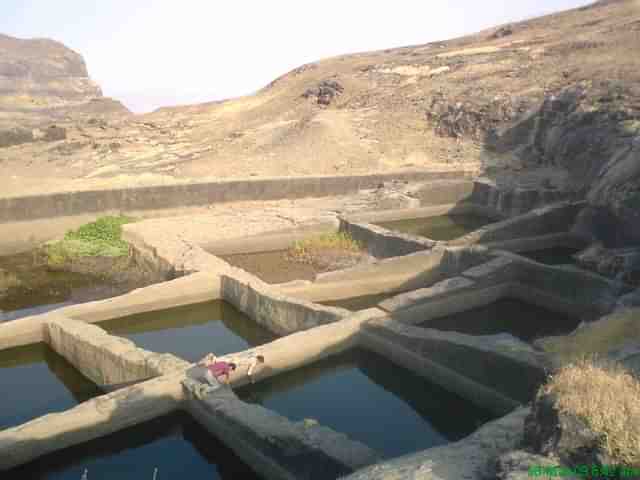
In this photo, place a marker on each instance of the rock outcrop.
(42, 81)
(39, 72)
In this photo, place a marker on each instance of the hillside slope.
(555, 99)
(42, 81)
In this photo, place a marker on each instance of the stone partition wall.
(92, 419)
(511, 201)
(383, 243)
(273, 445)
(496, 372)
(64, 204)
(267, 306)
(105, 359)
(575, 291)
(380, 242)
(556, 218)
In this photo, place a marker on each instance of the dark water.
(38, 290)
(507, 315)
(192, 331)
(444, 227)
(371, 400)
(359, 303)
(174, 444)
(36, 381)
(553, 256)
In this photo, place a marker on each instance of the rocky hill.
(42, 81)
(553, 100)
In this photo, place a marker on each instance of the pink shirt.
(219, 368)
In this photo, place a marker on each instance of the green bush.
(102, 238)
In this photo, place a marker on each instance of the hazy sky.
(152, 53)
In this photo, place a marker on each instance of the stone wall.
(92, 419)
(183, 195)
(546, 220)
(465, 364)
(515, 200)
(383, 243)
(105, 359)
(274, 446)
(265, 304)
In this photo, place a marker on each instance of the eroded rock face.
(549, 432)
(593, 132)
(622, 264)
(325, 92)
(42, 71)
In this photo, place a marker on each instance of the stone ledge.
(467, 459)
(416, 297)
(274, 445)
(106, 359)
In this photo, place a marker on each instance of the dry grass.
(607, 398)
(8, 280)
(310, 249)
(600, 337)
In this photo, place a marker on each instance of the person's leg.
(210, 378)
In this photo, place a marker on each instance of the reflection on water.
(507, 315)
(444, 227)
(34, 289)
(35, 381)
(371, 400)
(192, 331)
(174, 444)
(553, 256)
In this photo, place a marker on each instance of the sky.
(153, 53)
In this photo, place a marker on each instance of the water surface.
(35, 289)
(35, 381)
(192, 331)
(443, 227)
(553, 256)
(369, 399)
(174, 444)
(507, 315)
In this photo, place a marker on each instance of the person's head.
(232, 366)
(260, 359)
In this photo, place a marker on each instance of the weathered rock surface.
(41, 82)
(622, 264)
(43, 69)
(550, 432)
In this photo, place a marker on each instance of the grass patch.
(304, 250)
(607, 398)
(8, 280)
(102, 238)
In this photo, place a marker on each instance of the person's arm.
(252, 366)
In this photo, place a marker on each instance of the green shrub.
(102, 238)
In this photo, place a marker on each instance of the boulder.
(550, 432)
(325, 92)
(55, 133)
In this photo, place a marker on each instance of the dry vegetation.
(607, 398)
(304, 250)
(328, 251)
(596, 338)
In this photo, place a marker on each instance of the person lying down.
(218, 371)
